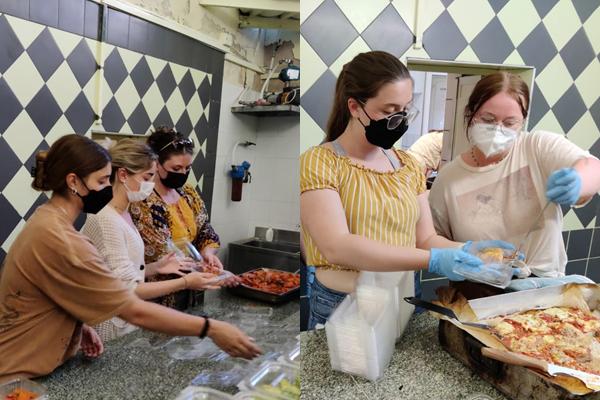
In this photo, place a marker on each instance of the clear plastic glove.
(443, 261)
(564, 187)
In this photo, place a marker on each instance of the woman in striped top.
(364, 206)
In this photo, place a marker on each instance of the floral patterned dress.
(156, 222)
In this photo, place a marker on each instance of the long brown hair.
(361, 79)
(70, 154)
(491, 85)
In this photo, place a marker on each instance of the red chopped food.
(271, 281)
(21, 394)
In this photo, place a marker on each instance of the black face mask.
(175, 180)
(378, 134)
(95, 200)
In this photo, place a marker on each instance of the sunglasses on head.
(179, 143)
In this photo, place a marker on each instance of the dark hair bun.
(39, 172)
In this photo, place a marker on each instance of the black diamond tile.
(579, 244)
(115, 71)
(593, 269)
(82, 63)
(595, 112)
(388, 32)
(31, 160)
(117, 28)
(569, 108)
(163, 119)
(576, 267)
(9, 165)
(184, 125)
(585, 8)
(2, 258)
(166, 82)
(586, 214)
(44, 110)
(16, 8)
(202, 128)
(142, 78)
(10, 46)
(443, 40)
(71, 16)
(112, 117)
(91, 27)
(565, 209)
(187, 87)
(492, 44)
(328, 31)
(543, 7)
(44, 12)
(318, 99)
(565, 236)
(447, 3)
(45, 54)
(577, 53)
(539, 107)
(139, 121)
(595, 250)
(80, 114)
(204, 92)
(10, 218)
(595, 149)
(11, 107)
(80, 221)
(497, 5)
(42, 198)
(538, 49)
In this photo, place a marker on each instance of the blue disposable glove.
(479, 245)
(564, 186)
(443, 261)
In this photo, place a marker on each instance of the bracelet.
(204, 331)
(185, 281)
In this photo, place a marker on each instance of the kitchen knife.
(442, 310)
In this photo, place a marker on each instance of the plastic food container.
(292, 356)
(247, 395)
(202, 393)
(18, 384)
(361, 344)
(276, 380)
(498, 275)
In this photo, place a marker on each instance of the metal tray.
(252, 293)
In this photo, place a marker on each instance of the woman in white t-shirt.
(500, 185)
(119, 242)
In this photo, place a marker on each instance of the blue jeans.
(322, 300)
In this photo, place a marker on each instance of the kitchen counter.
(419, 369)
(138, 365)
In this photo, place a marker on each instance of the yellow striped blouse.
(381, 206)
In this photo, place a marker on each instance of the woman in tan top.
(55, 285)
(364, 206)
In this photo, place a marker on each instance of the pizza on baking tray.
(564, 336)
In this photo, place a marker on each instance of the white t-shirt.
(501, 201)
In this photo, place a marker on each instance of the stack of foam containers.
(361, 337)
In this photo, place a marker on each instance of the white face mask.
(146, 189)
(491, 139)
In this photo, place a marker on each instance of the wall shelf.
(268, 111)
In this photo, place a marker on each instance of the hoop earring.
(73, 191)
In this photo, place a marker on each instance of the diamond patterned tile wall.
(560, 38)
(51, 84)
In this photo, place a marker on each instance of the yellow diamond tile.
(407, 9)
(128, 98)
(592, 28)
(554, 80)
(307, 7)
(468, 55)
(153, 103)
(91, 91)
(64, 86)
(562, 22)
(19, 191)
(358, 46)
(126, 129)
(95, 48)
(514, 59)
(361, 17)
(312, 65)
(26, 31)
(24, 79)
(548, 123)
(571, 222)
(60, 129)
(130, 58)
(311, 133)
(13, 235)
(588, 83)
(156, 66)
(519, 19)
(471, 16)
(23, 136)
(179, 71)
(65, 41)
(584, 133)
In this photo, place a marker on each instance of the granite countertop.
(419, 369)
(139, 366)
